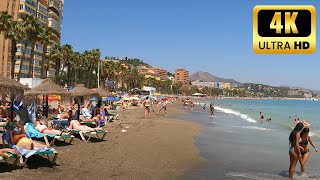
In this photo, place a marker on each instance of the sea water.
(238, 145)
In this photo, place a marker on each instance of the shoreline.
(156, 148)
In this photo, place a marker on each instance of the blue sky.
(207, 35)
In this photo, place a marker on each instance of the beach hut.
(46, 88)
(79, 93)
(11, 88)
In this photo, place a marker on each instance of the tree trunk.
(44, 71)
(13, 56)
(30, 73)
(21, 60)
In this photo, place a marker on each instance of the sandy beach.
(156, 148)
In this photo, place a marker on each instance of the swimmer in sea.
(261, 116)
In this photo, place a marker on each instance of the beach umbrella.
(80, 91)
(111, 98)
(103, 92)
(46, 88)
(10, 87)
(134, 98)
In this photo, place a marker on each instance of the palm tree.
(45, 38)
(29, 28)
(11, 30)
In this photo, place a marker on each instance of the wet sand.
(156, 148)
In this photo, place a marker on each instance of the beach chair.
(27, 153)
(32, 133)
(10, 156)
(64, 125)
(2, 125)
(100, 134)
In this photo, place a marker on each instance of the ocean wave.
(253, 175)
(230, 111)
(245, 127)
(257, 128)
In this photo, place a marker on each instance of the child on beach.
(164, 107)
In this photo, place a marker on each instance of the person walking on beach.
(305, 152)
(294, 149)
(146, 105)
(211, 109)
(204, 106)
(164, 107)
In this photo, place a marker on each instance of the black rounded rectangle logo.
(299, 20)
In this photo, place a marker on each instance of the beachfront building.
(161, 72)
(218, 85)
(148, 73)
(49, 14)
(150, 90)
(181, 76)
(226, 85)
(12, 7)
(201, 84)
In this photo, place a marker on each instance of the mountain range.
(207, 77)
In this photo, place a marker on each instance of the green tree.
(46, 38)
(11, 30)
(29, 28)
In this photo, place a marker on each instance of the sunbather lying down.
(45, 130)
(6, 150)
(95, 119)
(20, 139)
(3, 123)
(75, 124)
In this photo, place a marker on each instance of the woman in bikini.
(20, 139)
(45, 130)
(305, 152)
(146, 105)
(294, 150)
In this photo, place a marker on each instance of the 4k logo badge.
(284, 29)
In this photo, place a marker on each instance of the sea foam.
(230, 111)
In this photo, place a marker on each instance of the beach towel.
(6, 137)
(32, 111)
(31, 132)
(27, 153)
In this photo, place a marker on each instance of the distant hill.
(207, 77)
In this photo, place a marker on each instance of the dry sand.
(156, 148)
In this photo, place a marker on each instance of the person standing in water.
(305, 138)
(294, 149)
(212, 109)
(261, 116)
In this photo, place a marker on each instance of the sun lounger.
(37, 151)
(32, 133)
(27, 153)
(10, 156)
(100, 134)
(2, 125)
